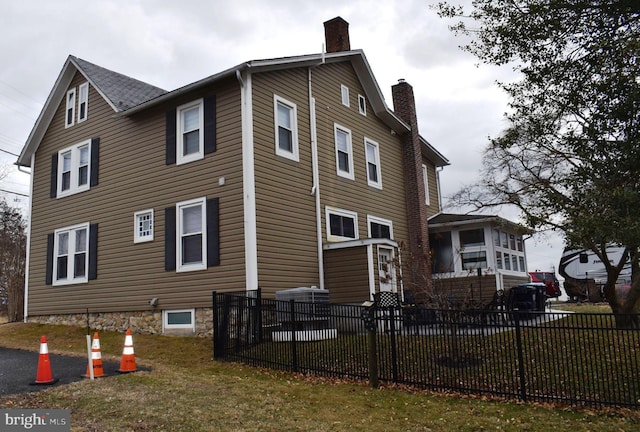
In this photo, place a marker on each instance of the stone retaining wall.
(141, 322)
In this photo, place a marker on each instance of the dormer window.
(70, 112)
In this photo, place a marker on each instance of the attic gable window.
(190, 139)
(286, 126)
(362, 105)
(70, 112)
(83, 102)
(344, 92)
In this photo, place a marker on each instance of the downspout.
(438, 170)
(28, 248)
(248, 184)
(315, 189)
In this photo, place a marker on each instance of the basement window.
(181, 319)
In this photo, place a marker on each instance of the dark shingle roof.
(121, 91)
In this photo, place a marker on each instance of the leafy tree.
(569, 158)
(12, 260)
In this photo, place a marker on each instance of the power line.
(7, 151)
(14, 193)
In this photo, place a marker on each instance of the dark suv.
(550, 280)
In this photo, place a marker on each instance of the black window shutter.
(209, 124)
(213, 232)
(170, 238)
(53, 192)
(49, 265)
(171, 138)
(93, 252)
(95, 157)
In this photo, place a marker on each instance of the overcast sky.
(171, 43)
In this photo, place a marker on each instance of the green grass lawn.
(187, 391)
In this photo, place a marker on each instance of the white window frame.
(376, 148)
(202, 203)
(71, 251)
(181, 157)
(379, 221)
(138, 218)
(293, 121)
(167, 326)
(425, 180)
(74, 187)
(362, 105)
(344, 94)
(349, 151)
(69, 120)
(83, 98)
(343, 213)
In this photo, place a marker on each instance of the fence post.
(523, 388)
(294, 346)
(394, 347)
(259, 314)
(214, 317)
(373, 357)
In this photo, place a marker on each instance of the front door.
(386, 270)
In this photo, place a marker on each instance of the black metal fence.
(569, 358)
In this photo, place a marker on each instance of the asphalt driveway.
(19, 368)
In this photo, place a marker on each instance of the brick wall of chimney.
(336, 34)
(420, 260)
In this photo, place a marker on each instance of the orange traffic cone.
(128, 362)
(96, 359)
(44, 376)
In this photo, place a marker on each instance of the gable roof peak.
(120, 91)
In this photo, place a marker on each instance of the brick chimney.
(336, 35)
(420, 260)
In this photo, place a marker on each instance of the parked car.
(550, 280)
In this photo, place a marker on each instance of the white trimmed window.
(70, 255)
(344, 152)
(190, 136)
(372, 151)
(362, 105)
(70, 112)
(74, 169)
(143, 226)
(286, 126)
(181, 319)
(191, 235)
(425, 179)
(83, 102)
(379, 228)
(344, 93)
(341, 224)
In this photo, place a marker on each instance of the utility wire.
(14, 193)
(11, 153)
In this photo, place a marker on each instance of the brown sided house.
(277, 174)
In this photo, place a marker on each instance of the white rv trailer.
(585, 273)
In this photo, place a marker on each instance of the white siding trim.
(248, 185)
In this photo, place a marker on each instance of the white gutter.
(248, 183)
(28, 248)
(315, 190)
